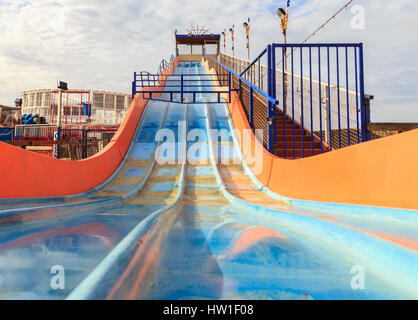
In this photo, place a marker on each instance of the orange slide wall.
(381, 172)
(26, 174)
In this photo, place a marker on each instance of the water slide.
(151, 225)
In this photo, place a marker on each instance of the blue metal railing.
(340, 99)
(253, 74)
(271, 101)
(243, 80)
(164, 65)
(321, 93)
(322, 101)
(181, 88)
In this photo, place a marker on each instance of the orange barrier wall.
(26, 174)
(381, 172)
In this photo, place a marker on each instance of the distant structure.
(78, 106)
(197, 40)
(197, 31)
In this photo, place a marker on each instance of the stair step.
(298, 138)
(298, 144)
(288, 126)
(298, 153)
(289, 132)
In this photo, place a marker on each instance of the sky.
(98, 44)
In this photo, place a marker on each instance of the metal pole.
(59, 108)
(249, 56)
(182, 89)
(364, 120)
(269, 91)
(57, 135)
(285, 74)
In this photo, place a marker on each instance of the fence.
(84, 143)
(75, 143)
(320, 88)
(35, 132)
(78, 106)
(181, 88)
(256, 74)
(253, 98)
(324, 106)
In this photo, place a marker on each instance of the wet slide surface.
(202, 229)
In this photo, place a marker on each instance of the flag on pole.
(285, 21)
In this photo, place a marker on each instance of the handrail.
(163, 65)
(181, 84)
(254, 61)
(253, 87)
(334, 115)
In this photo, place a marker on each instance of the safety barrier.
(322, 115)
(323, 106)
(35, 132)
(181, 88)
(88, 141)
(253, 98)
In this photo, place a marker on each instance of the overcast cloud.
(97, 44)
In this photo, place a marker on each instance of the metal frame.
(271, 101)
(309, 93)
(179, 84)
(362, 121)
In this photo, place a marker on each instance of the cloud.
(96, 44)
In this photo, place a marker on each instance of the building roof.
(198, 40)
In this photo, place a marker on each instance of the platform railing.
(319, 86)
(337, 104)
(182, 88)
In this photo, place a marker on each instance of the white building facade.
(107, 108)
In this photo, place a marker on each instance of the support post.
(363, 113)
(181, 94)
(251, 107)
(57, 134)
(269, 108)
(84, 143)
(134, 87)
(367, 99)
(327, 119)
(273, 92)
